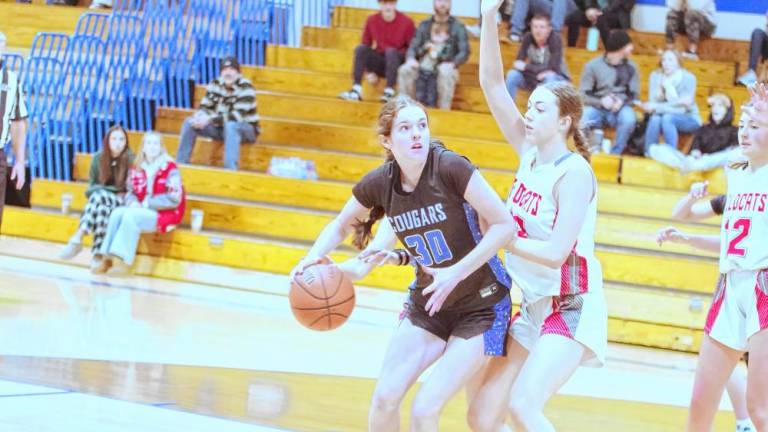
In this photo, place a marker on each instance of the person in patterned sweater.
(227, 113)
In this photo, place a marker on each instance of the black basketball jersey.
(436, 224)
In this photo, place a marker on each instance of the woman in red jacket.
(154, 203)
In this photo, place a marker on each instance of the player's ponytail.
(570, 104)
(364, 229)
(580, 142)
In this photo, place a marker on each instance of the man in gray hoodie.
(609, 85)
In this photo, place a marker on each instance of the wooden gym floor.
(85, 353)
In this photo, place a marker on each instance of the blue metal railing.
(119, 68)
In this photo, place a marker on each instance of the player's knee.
(758, 412)
(520, 409)
(424, 411)
(386, 399)
(479, 421)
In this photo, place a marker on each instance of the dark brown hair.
(364, 229)
(122, 161)
(570, 104)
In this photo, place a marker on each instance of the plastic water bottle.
(593, 35)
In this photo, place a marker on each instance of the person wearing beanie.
(227, 113)
(693, 18)
(609, 86)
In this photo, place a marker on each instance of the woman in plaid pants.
(106, 189)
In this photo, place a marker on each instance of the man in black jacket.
(606, 15)
(454, 54)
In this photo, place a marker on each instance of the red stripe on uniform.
(714, 309)
(583, 278)
(762, 307)
(555, 324)
(574, 275)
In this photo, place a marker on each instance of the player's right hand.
(698, 190)
(670, 234)
(307, 262)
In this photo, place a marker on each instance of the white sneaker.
(748, 78)
(690, 55)
(71, 250)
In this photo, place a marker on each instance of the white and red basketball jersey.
(533, 206)
(744, 227)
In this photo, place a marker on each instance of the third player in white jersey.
(744, 233)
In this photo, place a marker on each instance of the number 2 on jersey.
(431, 248)
(742, 226)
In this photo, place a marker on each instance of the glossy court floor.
(85, 353)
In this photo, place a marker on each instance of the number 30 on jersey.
(431, 248)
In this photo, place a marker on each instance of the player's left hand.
(444, 280)
(379, 257)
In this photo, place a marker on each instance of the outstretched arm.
(502, 105)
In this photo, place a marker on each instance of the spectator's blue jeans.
(670, 125)
(556, 9)
(624, 121)
(516, 80)
(233, 134)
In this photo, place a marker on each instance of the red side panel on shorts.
(762, 307)
(574, 275)
(555, 324)
(717, 302)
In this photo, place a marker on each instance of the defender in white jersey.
(692, 207)
(563, 318)
(738, 317)
(566, 300)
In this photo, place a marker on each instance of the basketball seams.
(352, 298)
(323, 310)
(306, 289)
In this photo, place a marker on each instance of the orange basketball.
(322, 297)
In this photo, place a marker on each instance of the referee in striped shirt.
(13, 126)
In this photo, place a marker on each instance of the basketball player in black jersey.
(458, 311)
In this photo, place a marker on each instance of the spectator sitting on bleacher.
(712, 144)
(609, 85)
(671, 103)
(758, 51)
(107, 180)
(693, 18)
(227, 112)
(606, 15)
(539, 58)
(438, 48)
(154, 202)
(386, 36)
(557, 10)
